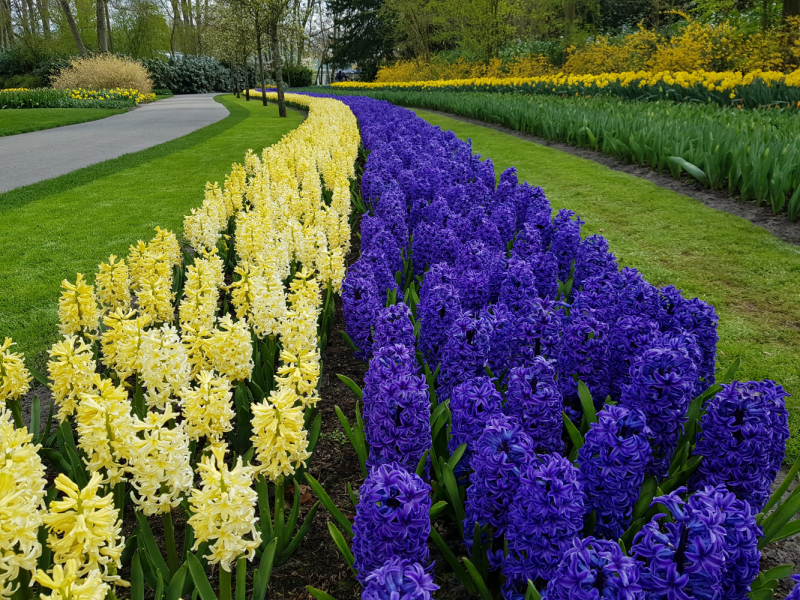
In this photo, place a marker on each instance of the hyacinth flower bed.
(557, 418)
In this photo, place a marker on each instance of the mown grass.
(51, 230)
(23, 120)
(751, 277)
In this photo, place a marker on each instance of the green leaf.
(691, 169)
(36, 417)
(480, 584)
(323, 496)
(586, 403)
(779, 572)
(455, 457)
(454, 497)
(730, 373)
(262, 574)
(574, 435)
(40, 378)
(352, 385)
(454, 563)
(423, 461)
(788, 530)
(241, 579)
(437, 508)
(780, 517)
(137, 578)
(146, 538)
(341, 544)
(319, 594)
(302, 532)
(175, 586)
(787, 481)
(762, 594)
(199, 578)
(350, 342)
(532, 593)
(159, 587)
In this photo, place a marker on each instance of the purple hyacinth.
(595, 570)
(392, 209)
(378, 241)
(685, 557)
(545, 270)
(392, 519)
(612, 463)
(393, 326)
(464, 353)
(534, 399)
(472, 404)
(566, 241)
(432, 244)
(399, 579)
(439, 306)
(547, 514)
(584, 356)
(396, 408)
(519, 285)
(527, 244)
(500, 454)
(594, 259)
(695, 317)
(629, 336)
(598, 293)
(795, 593)
(473, 277)
(537, 333)
(742, 556)
(743, 439)
(502, 324)
(361, 303)
(638, 297)
(661, 380)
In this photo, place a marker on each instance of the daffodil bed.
(561, 418)
(729, 88)
(751, 154)
(75, 98)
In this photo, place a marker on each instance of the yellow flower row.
(284, 216)
(719, 81)
(113, 94)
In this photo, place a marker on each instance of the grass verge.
(751, 277)
(24, 120)
(55, 228)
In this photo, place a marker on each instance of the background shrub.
(296, 75)
(103, 72)
(28, 67)
(189, 75)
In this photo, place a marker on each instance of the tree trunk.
(246, 83)
(44, 14)
(791, 8)
(276, 62)
(73, 27)
(261, 69)
(102, 40)
(108, 27)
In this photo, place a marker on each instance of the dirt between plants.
(762, 216)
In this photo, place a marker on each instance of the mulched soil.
(778, 225)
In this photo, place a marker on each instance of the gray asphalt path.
(28, 158)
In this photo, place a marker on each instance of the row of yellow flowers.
(146, 384)
(112, 94)
(761, 87)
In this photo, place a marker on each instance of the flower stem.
(16, 412)
(224, 585)
(169, 535)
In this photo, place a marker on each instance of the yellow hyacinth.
(22, 490)
(85, 526)
(69, 582)
(14, 377)
(201, 291)
(155, 297)
(106, 429)
(165, 365)
(196, 342)
(113, 285)
(72, 370)
(160, 464)
(269, 304)
(278, 436)
(77, 307)
(224, 510)
(230, 349)
(207, 409)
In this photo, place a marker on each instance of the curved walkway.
(32, 157)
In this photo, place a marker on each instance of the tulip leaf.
(199, 578)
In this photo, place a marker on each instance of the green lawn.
(53, 229)
(23, 120)
(751, 277)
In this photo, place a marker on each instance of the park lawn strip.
(24, 120)
(53, 229)
(751, 277)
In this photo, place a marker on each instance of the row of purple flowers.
(515, 312)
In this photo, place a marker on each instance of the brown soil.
(778, 225)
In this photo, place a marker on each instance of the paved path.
(28, 158)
